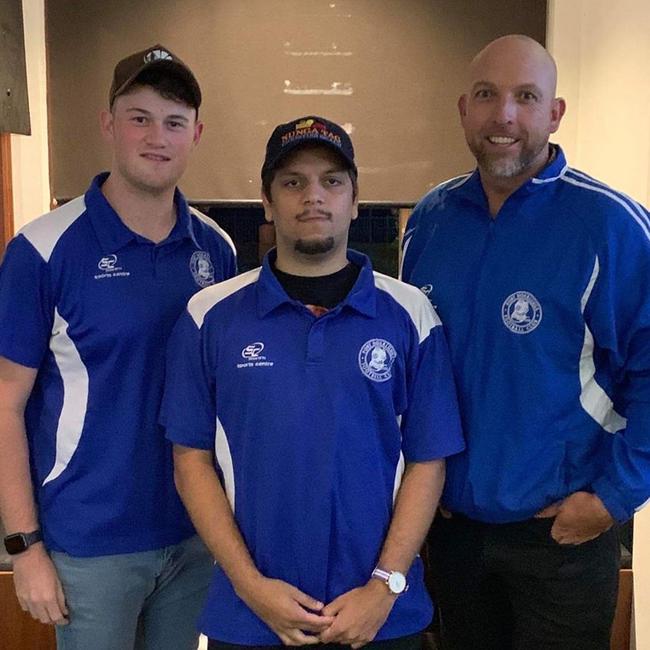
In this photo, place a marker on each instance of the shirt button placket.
(155, 256)
(316, 341)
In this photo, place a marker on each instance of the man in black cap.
(326, 391)
(101, 544)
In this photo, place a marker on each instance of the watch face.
(397, 582)
(15, 543)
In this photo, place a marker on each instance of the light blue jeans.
(136, 601)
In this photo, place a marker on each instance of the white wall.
(602, 49)
(29, 153)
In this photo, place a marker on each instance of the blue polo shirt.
(311, 420)
(91, 304)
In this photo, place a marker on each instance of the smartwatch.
(19, 542)
(394, 580)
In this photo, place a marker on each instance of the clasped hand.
(354, 618)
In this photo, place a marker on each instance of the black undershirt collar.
(322, 292)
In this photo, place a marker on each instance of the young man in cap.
(542, 276)
(334, 407)
(101, 544)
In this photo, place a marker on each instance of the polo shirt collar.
(113, 233)
(362, 297)
(184, 226)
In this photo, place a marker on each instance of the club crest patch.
(376, 358)
(521, 312)
(202, 269)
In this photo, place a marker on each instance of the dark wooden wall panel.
(18, 630)
(14, 106)
(391, 71)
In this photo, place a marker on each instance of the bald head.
(510, 109)
(515, 55)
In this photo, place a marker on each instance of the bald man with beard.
(541, 275)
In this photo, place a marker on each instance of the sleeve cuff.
(182, 437)
(613, 500)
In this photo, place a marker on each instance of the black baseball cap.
(304, 130)
(128, 69)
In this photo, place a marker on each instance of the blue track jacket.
(547, 314)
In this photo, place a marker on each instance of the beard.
(314, 246)
(504, 165)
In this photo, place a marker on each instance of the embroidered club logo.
(107, 263)
(521, 312)
(253, 357)
(426, 290)
(108, 267)
(157, 55)
(202, 269)
(376, 358)
(253, 351)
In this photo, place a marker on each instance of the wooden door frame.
(6, 192)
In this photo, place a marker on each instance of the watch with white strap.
(394, 580)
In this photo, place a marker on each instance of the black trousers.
(512, 587)
(412, 642)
